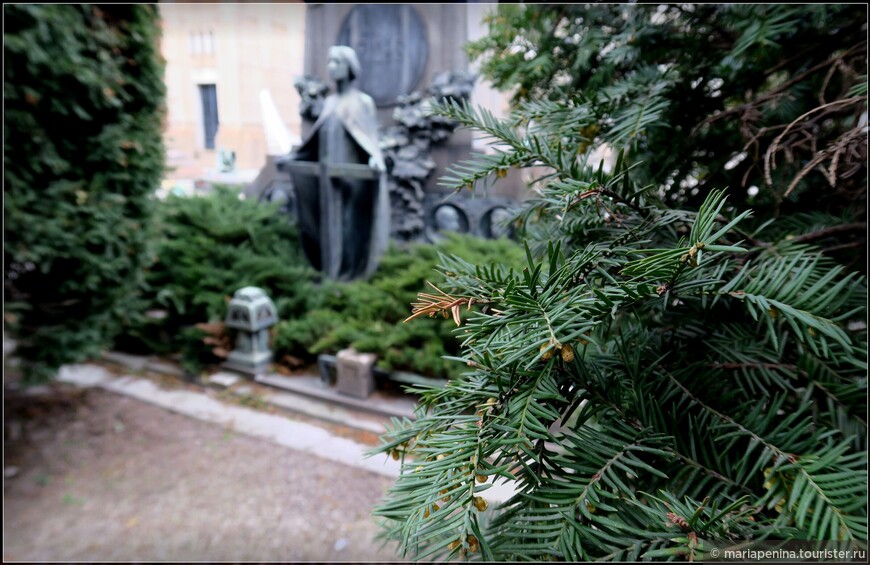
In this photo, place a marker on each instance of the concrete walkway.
(108, 478)
(279, 429)
(276, 428)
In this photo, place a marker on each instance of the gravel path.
(110, 478)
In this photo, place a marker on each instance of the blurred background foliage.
(93, 260)
(768, 100)
(210, 246)
(83, 96)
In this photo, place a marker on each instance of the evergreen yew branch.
(613, 453)
(780, 454)
(781, 88)
(830, 231)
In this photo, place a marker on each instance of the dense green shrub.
(210, 246)
(83, 97)
(673, 367)
(706, 96)
(207, 248)
(367, 315)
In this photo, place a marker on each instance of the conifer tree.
(83, 97)
(683, 361)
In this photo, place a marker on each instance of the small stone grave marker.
(354, 372)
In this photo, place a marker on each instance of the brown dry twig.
(432, 304)
(781, 89)
(600, 191)
(833, 151)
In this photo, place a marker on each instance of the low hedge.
(368, 315)
(210, 246)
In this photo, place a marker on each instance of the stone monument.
(415, 48)
(354, 373)
(391, 39)
(270, 185)
(496, 223)
(251, 313)
(402, 48)
(340, 179)
(408, 147)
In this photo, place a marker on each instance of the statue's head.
(343, 63)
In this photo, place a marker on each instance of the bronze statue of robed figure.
(340, 179)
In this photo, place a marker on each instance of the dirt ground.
(109, 478)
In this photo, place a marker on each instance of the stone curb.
(140, 363)
(299, 401)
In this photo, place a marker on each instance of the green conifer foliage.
(207, 247)
(678, 362)
(367, 315)
(83, 98)
(706, 95)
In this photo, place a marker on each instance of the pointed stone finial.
(279, 140)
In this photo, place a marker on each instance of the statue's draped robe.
(345, 132)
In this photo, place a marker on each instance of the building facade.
(220, 58)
